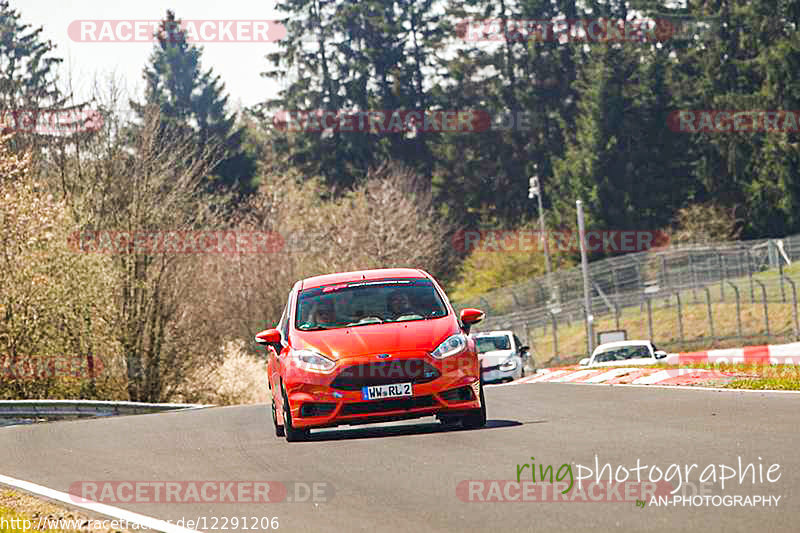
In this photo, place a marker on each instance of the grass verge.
(22, 513)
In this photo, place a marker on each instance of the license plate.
(379, 392)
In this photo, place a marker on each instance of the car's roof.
(358, 275)
(617, 344)
(493, 333)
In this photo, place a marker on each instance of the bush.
(55, 303)
(240, 379)
(704, 223)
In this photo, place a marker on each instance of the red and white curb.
(627, 375)
(774, 354)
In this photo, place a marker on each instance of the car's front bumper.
(499, 375)
(316, 404)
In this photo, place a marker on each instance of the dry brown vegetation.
(165, 326)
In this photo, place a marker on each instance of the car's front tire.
(292, 434)
(477, 418)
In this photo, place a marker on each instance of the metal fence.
(733, 287)
(14, 412)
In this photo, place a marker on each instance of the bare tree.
(388, 221)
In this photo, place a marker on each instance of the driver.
(400, 304)
(323, 314)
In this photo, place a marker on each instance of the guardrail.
(56, 408)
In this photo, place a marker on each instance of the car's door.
(275, 351)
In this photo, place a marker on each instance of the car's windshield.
(360, 303)
(622, 353)
(495, 342)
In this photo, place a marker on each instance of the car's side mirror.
(585, 361)
(524, 348)
(270, 337)
(660, 354)
(469, 317)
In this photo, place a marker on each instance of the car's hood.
(494, 357)
(626, 362)
(413, 335)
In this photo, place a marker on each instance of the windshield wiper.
(367, 320)
(311, 328)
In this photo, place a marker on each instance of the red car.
(371, 346)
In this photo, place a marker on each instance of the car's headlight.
(312, 361)
(451, 346)
(508, 364)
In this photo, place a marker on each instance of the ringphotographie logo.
(497, 240)
(49, 367)
(195, 31)
(51, 121)
(176, 242)
(201, 491)
(733, 121)
(748, 484)
(401, 121)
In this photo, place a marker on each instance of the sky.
(239, 64)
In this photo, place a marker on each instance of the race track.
(404, 477)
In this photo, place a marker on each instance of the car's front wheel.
(477, 418)
(292, 434)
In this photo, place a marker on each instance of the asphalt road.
(404, 477)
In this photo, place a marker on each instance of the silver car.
(502, 355)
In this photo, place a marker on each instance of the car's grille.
(385, 373)
(490, 368)
(382, 406)
(316, 409)
(461, 394)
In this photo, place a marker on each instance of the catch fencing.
(680, 297)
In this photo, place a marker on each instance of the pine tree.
(192, 101)
(27, 75)
(345, 56)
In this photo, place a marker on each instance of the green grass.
(764, 384)
(9, 518)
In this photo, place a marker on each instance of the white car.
(502, 355)
(624, 353)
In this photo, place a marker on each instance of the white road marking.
(667, 374)
(100, 508)
(548, 376)
(613, 373)
(573, 376)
